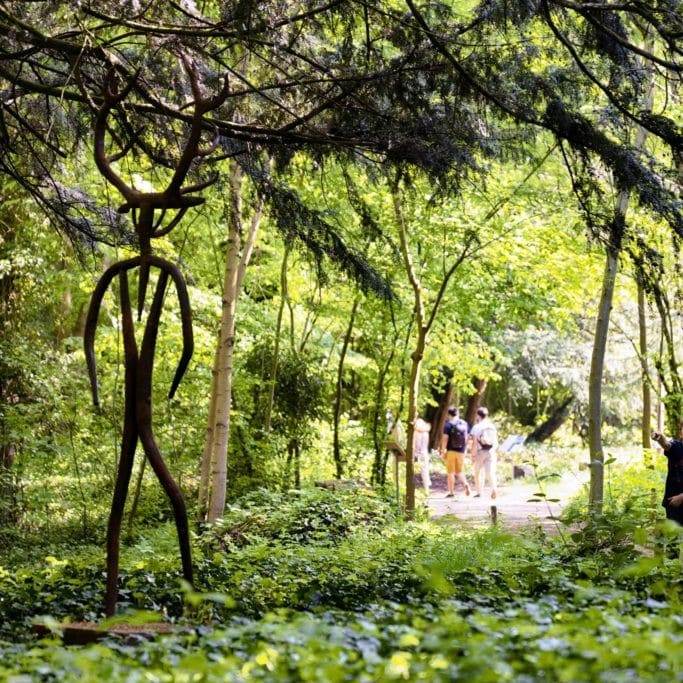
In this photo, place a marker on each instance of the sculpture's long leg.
(173, 492)
(144, 425)
(128, 444)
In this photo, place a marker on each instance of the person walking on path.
(673, 487)
(421, 451)
(453, 448)
(484, 437)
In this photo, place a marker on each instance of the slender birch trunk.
(213, 480)
(336, 446)
(205, 471)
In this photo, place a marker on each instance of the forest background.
(380, 237)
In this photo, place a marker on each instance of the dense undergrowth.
(333, 586)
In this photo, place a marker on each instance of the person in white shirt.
(421, 450)
(484, 437)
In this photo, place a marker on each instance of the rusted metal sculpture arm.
(130, 348)
(159, 231)
(185, 317)
(93, 315)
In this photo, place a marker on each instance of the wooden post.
(399, 454)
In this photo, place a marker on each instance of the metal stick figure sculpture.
(139, 363)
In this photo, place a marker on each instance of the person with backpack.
(484, 438)
(453, 448)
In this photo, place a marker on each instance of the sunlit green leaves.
(388, 601)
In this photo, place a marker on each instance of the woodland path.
(516, 505)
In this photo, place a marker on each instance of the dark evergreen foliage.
(299, 223)
(410, 86)
(629, 172)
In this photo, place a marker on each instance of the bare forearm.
(677, 500)
(662, 440)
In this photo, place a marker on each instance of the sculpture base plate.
(84, 632)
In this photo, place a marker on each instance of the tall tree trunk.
(669, 373)
(413, 394)
(213, 479)
(646, 419)
(474, 401)
(207, 456)
(297, 464)
(552, 424)
(272, 378)
(423, 324)
(660, 386)
(597, 459)
(293, 462)
(646, 416)
(8, 490)
(338, 460)
(379, 467)
(418, 353)
(8, 384)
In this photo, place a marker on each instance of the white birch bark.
(213, 481)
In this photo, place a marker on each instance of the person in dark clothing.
(673, 487)
(453, 447)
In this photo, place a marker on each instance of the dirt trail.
(516, 505)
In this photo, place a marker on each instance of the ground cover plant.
(333, 586)
(390, 207)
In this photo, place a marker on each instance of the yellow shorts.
(455, 462)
